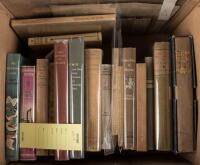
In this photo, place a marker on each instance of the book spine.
(162, 102)
(61, 89)
(106, 72)
(141, 107)
(12, 106)
(184, 94)
(93, 60)
(129, 64)
(117, 100)
(150, 103)
(27, 113)
(76, 87)
(41, 115)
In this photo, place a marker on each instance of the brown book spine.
(41, 115)
(129, 63)
(163, 121)
(184, 94)
(93, 60)
(61, 88)
(117, 100)
(141, 105)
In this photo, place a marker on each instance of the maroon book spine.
(61, 89)
(27, 113)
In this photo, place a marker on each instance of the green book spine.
(76, 87)
(12, 106)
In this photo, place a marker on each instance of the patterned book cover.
(106, 79)
(150, 103)
(76, 88)
(41, 115)
(12, 105)
(162, 90)
(93, 60)
(129, 64)
(184, 96)
(61, 89)
(27, 112)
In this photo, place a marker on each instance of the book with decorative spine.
(162, 92)
(141, 106)
(14, 61)
(41, 115)
(106, 79)
(184, 96)
(117, 98)
(27, 110)
(129, 64)
(61, 54)
(150, 103)
(93, 60)
(76, 88)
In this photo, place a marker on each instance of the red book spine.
(61, 89)
(27, 113)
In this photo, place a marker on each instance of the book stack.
(125, 104)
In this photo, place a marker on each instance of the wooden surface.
(191, 25)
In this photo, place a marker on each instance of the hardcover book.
(106, 79)
(41, 115)
(117, 102)
(93, 60)
(27, 112)
(61, 89)
(141, 104)
(162, 102)
(150, 103)
(76, 88)
(14, 62)
(89, 39)
(184, 96)
(129, 64)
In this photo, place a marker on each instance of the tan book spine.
(141, 104)
(129, 63)
(117, 100)
(89, 38)
(93, 60)
(42, 96)
(163, 121)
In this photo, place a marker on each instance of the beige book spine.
(42, 96)
(93, 60)
(141, 95)
(129, 63)
(89, 38)
(163, 121)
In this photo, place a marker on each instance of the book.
(162, 102)
(93, 60)
(14, 61)
(184, 96)
(89, 39)
(76, 88)
(129, 64)
(57, 25)
(41, 114)
(117, 98)
(27, 107)
(61, 56)
(150, 103)
(106, 129)
(141, 104)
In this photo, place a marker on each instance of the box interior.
(9, 42)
